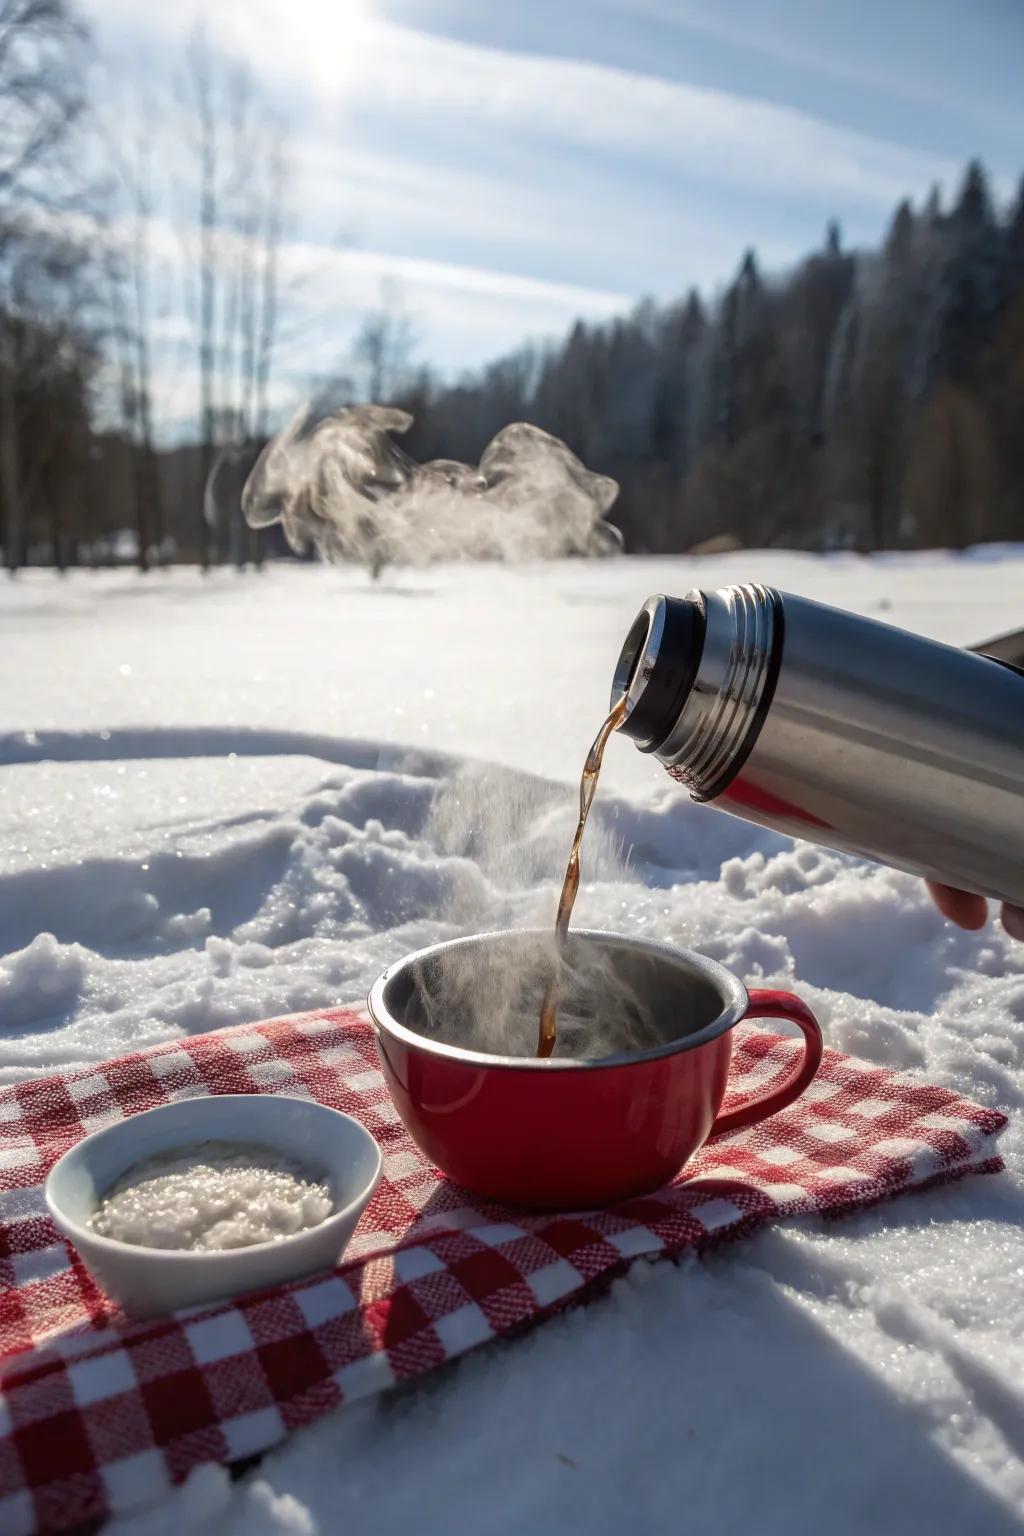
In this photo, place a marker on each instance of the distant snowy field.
(227, 798)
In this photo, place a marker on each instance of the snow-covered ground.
(226, 798)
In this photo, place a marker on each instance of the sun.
(318, 45)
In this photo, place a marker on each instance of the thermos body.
(835, 728)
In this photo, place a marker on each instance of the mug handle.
(765, 1003)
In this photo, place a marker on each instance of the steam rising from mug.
(340, 484)
(486, 997)
(514, 830)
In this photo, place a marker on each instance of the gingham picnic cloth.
(101, 1415)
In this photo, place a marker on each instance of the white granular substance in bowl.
(212, 1196)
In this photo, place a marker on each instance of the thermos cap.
(658, 664)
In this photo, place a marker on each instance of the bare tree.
(202, 84)
(41, 85)
(238, 256)
(267, 310)
(13, 530)
(241, 173)
(141, 266)
(41, 72)
(122, 346)
(384, 344)
(128, 263)
(269, 296)
(248, 318)
(255, 212)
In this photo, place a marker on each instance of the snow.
(226, 798)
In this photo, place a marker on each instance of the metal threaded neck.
(714, 724)
(696, 673)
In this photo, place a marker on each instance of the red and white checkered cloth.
(99, 1415)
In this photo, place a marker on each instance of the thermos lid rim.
(658, 664)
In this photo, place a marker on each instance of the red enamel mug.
(569, 1132)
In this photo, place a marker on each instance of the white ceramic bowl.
(147, 1281)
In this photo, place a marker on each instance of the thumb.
(961, 907)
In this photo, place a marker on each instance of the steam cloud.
(487, 998)
(516, 831)
(342, 485)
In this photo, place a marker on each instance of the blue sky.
(514, 165)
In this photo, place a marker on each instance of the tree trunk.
(56, 550)
(201, 70)
(141, 507)
(268, 293)
(10, 474)
(148, 480)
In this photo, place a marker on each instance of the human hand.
(970, 911)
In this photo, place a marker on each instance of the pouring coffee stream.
(548, 1030)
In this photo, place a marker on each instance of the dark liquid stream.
(570, 885)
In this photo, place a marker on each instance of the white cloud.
(894, 70)
(586, 225)
(716, 22)
(361, 267)
(346, 60)
(712, 135)
(462, 316)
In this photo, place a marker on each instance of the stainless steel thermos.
(835, 728)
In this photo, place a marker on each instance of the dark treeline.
(866, 400)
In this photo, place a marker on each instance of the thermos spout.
(657, 666)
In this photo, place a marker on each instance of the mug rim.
(731, 990)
